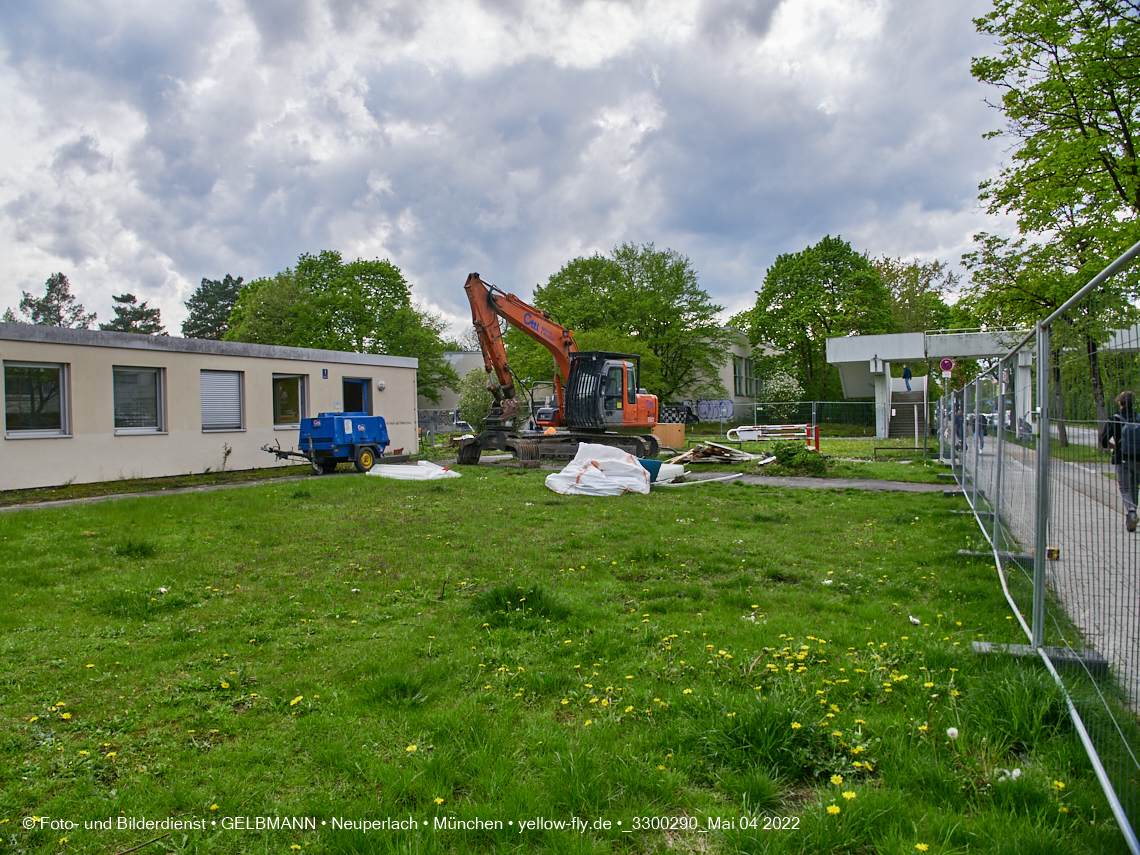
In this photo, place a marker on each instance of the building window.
(288, 400)
(744, 378)
(222, 401)
(35, 399)
(139, 400)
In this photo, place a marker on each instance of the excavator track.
(530, 450)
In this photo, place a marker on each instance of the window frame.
(160, 402)
(64, 430)
(302, 399)
(241, 401)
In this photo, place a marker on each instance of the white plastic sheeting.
(599, 470)
(424, 470)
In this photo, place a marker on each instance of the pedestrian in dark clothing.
(959, 430)
(1125, 458)
(907, 375)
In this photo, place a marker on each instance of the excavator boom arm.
(488, 304)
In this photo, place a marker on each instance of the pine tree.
(210, 308)
(134, 317)
(56, 308)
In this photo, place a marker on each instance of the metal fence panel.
(1036, 444)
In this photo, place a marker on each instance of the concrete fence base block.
(1085, 658)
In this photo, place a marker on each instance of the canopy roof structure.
(860, 358)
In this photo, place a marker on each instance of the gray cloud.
(205, 138)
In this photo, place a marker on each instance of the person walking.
(907, 375)
(980, 431)
(1123, 432)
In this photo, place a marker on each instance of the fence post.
(1042, 525)
(998, 451)
(977, 431)
(954, 461)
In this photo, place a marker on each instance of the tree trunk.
(1097, 384)
(1058, 411)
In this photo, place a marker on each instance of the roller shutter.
(221, 400)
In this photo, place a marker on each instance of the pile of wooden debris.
(712, 452)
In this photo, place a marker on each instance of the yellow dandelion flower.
(849, 795)
(438, 800)
(82, 752)
(110, 754)
(410, 749)
(214, 807)
(833, 809)
(565, 701)
(225, 685)
(922, 847)
(687, 692)
(1058, 785)
(66, 716)
(629, 709)
(796, 725)
(296, 700)
(588, 722)
(837, 779)
(660, 767)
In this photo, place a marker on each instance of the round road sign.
(946, 364)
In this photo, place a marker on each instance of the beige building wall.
(92, 450)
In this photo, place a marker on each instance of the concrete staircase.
(902, 422)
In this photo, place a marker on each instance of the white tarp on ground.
(599, 470)
(424, 470)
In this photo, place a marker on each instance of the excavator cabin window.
(613, 388)
(630, 385)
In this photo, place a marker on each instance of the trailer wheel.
(365, 458)
(318, 466)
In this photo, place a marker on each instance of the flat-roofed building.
(85, 405)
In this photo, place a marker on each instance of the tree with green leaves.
(1015, 282)
(359, 306)
(56, 308)
(210, 307)
(134, 317)
(639, 300)
(918, 293)
(1069, 76)
(825, 291)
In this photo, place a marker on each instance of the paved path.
(146, 494)
(868, 484)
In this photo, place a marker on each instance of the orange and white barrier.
(761, 433)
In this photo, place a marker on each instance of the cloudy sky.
(147, 145)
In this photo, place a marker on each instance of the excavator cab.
(602, 392)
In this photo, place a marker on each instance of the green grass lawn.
(734, 663)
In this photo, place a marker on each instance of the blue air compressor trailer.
(332, 438)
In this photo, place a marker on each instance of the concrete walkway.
(868, 484)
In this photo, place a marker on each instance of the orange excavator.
(596, 393)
